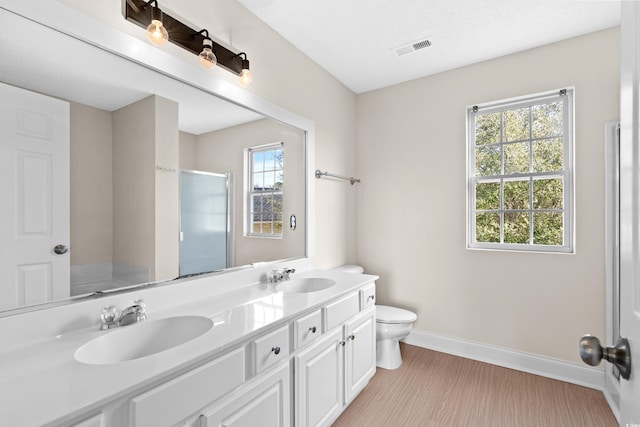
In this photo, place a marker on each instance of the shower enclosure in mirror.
(204, 222)
(132, 127)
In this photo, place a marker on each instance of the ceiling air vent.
(413, 46)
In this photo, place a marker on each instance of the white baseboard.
(534, 364)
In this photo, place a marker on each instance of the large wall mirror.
(157, 172)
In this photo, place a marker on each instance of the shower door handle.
(592, 352)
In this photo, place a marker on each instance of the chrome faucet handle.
(142, 309)
(109, 317)
(286, 272)
(275, 276)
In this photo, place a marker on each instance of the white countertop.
(42, 384)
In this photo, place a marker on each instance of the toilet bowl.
(392, 325)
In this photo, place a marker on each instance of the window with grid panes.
(520, 186)
(265, 195)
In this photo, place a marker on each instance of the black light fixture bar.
(140, 13)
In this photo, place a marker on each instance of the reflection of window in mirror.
(265, 190)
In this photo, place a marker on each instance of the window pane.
(547, 228)
(488, 161)
(516, 124)
(547, 193)
(547, 119)
(547, 155)
(277, 203)
(516, 194)
(258, 181)
(269, 180)
(277, 224)
(256, 223)
(488, 227)
(258, 161)
(516, 227)
(487, 129)
(280, 159)
(516, 158)
(487, 195)
(269, 160)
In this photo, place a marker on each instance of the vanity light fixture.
(147, 14)
(156, 32)
(207, 56)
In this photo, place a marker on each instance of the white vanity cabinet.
(334, 369)
(298, 372)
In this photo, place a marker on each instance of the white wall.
(146, 224)
(412, 205)
(91, 185)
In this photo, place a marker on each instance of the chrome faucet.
(132, 314)
(278, 276)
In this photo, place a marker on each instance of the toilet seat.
(386, 314)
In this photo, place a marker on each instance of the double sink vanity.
(292, 353)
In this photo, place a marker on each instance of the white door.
(34, 198)
(630, 208)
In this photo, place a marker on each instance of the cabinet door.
(360, 360)
(319, 382)
(267, 403)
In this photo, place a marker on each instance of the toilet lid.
(386, 314)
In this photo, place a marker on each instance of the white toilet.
(392, 325)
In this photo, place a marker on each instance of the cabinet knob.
(352, 337)
(371, 297)
(276, 350)
(343, 343)
(313, 329)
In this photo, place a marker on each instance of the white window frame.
(565, 95)
(249, 191)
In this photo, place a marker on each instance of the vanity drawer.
(181, 397)
(270, 349)
(367, 296)
(307, 328)
(337, 312)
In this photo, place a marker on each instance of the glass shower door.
(203, 222)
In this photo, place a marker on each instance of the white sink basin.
(141, 340)
(305, 285)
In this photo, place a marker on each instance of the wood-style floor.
(434, 389)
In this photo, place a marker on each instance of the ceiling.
(355, 40)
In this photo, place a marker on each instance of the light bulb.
(157, 33)
(245, 75)
(207, 57)
(245, 78)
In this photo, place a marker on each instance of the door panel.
(34, 186)
(630, 208)
(319, 381)
(360, 353)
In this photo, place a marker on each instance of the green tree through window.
(520, 175)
